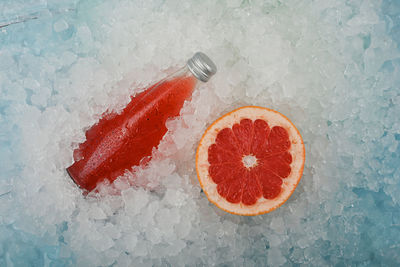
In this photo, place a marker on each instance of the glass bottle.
(119, 141)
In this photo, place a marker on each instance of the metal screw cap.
(202, 66)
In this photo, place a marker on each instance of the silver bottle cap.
(202, 66)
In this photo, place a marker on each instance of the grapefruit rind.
(273, 118)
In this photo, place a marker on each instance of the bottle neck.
(183, 72)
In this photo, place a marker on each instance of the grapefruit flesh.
(250, 160)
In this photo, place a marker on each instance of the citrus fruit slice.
(250, 160)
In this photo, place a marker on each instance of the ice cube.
(60, 25)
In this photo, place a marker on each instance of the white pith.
(249, 161)
(296, 150)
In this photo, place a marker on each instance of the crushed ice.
(331, 66)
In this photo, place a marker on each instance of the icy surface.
(333, 67)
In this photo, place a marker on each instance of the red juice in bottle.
(119, 141)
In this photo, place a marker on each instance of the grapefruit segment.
(242, 132)
(250, 160)
(251, 189)
(261, 134)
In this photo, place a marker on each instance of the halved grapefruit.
(250, 160)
